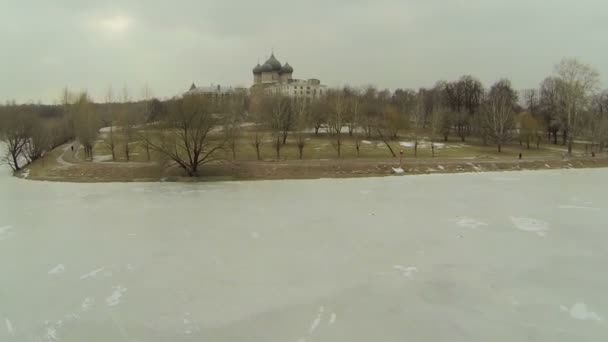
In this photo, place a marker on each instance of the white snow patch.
(332, 319)
(407, 144)
(439, 145)
(114, 298)
(570, 206)
(87, 303)
(366, 142)
(398, 170)
(531, 225)
(6, 232)
(440, 167)
(580, 311)
(317, 321)
(102, 158)
(91, 274)
(406, 271)
(51, 334)
(547, 166)
(468, 222)
(25, 173)
(57, 269)
(9, 327)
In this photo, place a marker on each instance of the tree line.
(568, 104)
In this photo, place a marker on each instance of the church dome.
(274, 63)
(266, 67)
(257, 69)
(286, 69)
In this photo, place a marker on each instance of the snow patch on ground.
(92, 274)
(57, 269)
(407, 144)
(25, 174)
(440, 167)
(406, 271)
(102, 158)
(87, 303)
(9, 327)
(317, 321)
(468, 222)
(114, 298)
(531, 225)
(6, 232)
(571, 206)
(366, 142)
(332, 319)
(398, 170)
(580, 311)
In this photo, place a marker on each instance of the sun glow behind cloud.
(115, 24)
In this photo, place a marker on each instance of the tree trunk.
(387, 144)
(317, 130)
(570, 146)
(278, 147)
(257, 151)
(285, 133)
(15, 162)
(499, 147)
(445, 137)
(528, 143)
(357, 147)
(301, 150)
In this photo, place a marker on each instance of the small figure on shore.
(72, 148)
(520, 155)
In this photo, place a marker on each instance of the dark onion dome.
(276, 65)
(266, 68)
(257, 69)
(287, 69)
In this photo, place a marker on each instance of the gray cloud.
(390, 43)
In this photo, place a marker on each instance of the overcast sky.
(46, 45)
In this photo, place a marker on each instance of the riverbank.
(62, 165)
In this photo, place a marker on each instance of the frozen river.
(516, 256)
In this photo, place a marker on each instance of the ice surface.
(329, 242)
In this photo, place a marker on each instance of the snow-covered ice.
(321, 242)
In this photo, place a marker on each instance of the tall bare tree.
(579, 82)
(337, 106)
(110, 121)
(499, 112)
(186, 137)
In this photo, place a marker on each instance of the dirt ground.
(62, 164)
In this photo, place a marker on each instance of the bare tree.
(186, 137)
(302, 113)
(529, 129)
(86, 123)
(579, 82)
(13, 132)
(277, 111)
(127, 121)
(336, 117)
(499, 112)
(110, 121)
(234, 108)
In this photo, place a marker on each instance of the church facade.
(277, 78)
